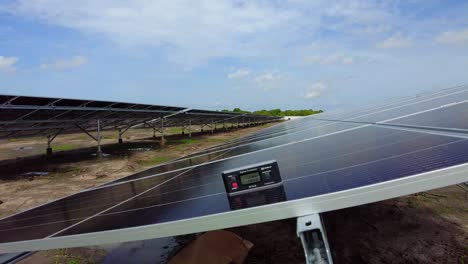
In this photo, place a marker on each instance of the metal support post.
(464, 186)
(49, 148)
(51, 138)
(163, 140)
(120, 136)
(190, 128)
(99, 151)
(212, 127)
(121, 132)
(311, 232)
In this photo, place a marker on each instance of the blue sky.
(222, 54)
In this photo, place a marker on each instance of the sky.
(221, 54)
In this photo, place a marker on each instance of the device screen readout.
(250, 178)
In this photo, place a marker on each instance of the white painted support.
(162, 128)
(311, 232)
(99, 151)
(190, 128)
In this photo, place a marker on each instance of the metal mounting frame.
(311, 232)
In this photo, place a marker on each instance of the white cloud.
(7, 64)
(62, 64)
(267, 81)
(329, 60)
(240, 73)
(315, 90)
(191, 32)
(396, 42)
(453, 37)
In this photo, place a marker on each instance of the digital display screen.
(250, 178)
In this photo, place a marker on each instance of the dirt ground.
(429, 227)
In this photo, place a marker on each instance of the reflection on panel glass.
(257, 198)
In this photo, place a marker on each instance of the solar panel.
(453, 116)
(25, 116)
(325, 165)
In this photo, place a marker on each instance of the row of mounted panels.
(360, 157)
(315, 157)
(36, 116)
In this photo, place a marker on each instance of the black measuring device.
(251, 178)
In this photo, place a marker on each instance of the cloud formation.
(334, 59)
(7, 64)
(267, 81)
(314, 91)
(240, 73)
(453, 37)
(63, 64)
(396, 42)
(191, 32)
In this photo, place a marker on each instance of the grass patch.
(153, 161)
(184, 141)
(64, 147)
(216, 140)
(26, 139)
(174, 130)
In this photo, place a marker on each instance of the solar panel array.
(360, 157)
(23, 116)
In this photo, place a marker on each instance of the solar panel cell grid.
(315, 158)
(325, 175)
(454, 116)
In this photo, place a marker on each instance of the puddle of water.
(23, 148)
(103, 154)
(140, 149)
(35, 173)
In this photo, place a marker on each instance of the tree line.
(277, 112)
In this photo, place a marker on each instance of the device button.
(266, 177)
(234, 185)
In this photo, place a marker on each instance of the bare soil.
(429, 227)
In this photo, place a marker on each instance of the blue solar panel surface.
(315, 157)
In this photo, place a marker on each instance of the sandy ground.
(429, 227)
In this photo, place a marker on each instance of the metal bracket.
(314, 239)
(464, 186)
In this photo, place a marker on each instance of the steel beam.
(86, 132)
(103, 109)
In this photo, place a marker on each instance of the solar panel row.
(23, 116)
(325, 165)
